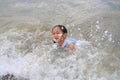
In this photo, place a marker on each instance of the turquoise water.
(27, 51)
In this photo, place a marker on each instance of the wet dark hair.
(63, 28)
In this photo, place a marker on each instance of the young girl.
(59, 35)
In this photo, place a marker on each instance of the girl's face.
(58, 35)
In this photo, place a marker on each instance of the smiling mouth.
(54, 40)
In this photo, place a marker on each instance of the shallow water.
(27, 51)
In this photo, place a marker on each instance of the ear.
(65, 35)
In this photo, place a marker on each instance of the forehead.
(57, 29)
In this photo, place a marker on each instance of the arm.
(71, 47)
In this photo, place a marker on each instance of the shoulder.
(69, 42)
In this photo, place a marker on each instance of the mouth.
(56, 39)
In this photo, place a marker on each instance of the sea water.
(28, 53)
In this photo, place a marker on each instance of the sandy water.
(27, 51)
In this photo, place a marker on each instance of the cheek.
(52, 36)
